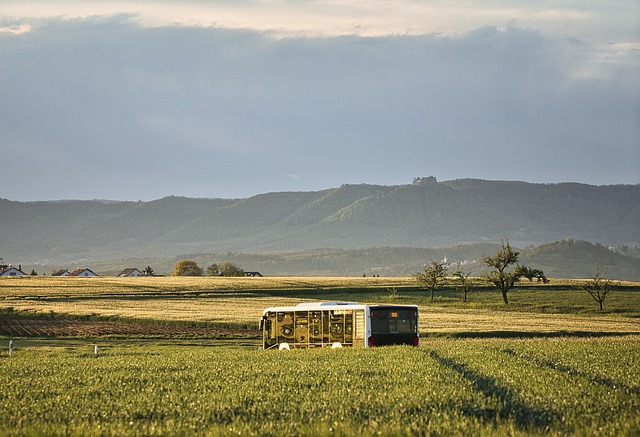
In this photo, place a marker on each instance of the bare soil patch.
(73, 328)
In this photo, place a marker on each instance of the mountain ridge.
(426, 213)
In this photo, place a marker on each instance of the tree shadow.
(572, 371)
(539, 334)
(526, 417)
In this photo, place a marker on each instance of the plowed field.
(67, 328)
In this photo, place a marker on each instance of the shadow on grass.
(526, 418)
(572, 371)
(530, 334)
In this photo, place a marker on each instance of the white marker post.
(10, 347)
(95, 350)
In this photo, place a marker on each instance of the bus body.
(338, 324)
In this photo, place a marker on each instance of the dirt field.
(63, 328)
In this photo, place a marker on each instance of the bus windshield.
(394, 325)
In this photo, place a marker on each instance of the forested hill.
(425, 213)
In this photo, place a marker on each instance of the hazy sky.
(230, 98)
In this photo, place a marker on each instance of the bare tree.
(393, 293)
(598, 287)
(433, 276)
(500, 277)
(463, 284)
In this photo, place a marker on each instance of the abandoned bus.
(338, 324)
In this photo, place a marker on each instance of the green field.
(547, 363)
(447, 386)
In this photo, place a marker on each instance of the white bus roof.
(327, 304)
(309, 306)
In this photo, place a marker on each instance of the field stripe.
(571, 371)
(525, 416)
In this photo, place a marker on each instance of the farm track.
(66, 328)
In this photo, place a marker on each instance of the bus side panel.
(359, 328)
(315, 327)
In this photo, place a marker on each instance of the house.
(83, 273)
(64, 272)
(130, 273)
(11, 271)
(252, 274)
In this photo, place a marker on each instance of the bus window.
(269, 321)
(393, 325)
(315, 327)
(336, 330)
(380, 322)
(405, 326)
(302, 327)
(348, 327)
(393, 322)
(325, 327)
(285, 327)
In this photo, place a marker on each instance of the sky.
(138, 100)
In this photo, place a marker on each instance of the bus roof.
(323, 304)
(310, 306)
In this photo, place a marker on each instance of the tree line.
(188, 267)
(505, 272)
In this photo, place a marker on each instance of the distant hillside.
(580, 259)
(561, 259)
(423, 214)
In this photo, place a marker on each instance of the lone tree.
(187, 267)
(532, 274)
(598, 288)
(462, 284)
(148, 271)
(500, 277)
(434, 275)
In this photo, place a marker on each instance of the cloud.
(105, 107)
(584, 20)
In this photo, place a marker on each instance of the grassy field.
(447, 386)
(180, 356)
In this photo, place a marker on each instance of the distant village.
(11, 270)
(84, 272)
